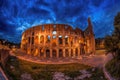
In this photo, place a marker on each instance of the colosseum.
(58, 41)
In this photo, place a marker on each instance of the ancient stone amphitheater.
(58, 41)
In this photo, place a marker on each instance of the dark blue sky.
(18, 15)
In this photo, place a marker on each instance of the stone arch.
(41, 52)
(76, 52)
(54, 53)
(47, 53)
(48, 39)
(60, 40)
(60, 53)
(41, 39)
(66, 53)
(66, 40)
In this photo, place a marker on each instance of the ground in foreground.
(113, 67)
(17, 68)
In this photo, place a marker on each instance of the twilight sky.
(18, 15)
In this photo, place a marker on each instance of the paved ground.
(93, 60)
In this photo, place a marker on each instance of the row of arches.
(47, 39)
(60, 53)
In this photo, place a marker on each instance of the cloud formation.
(18, 15)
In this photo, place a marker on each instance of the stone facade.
(57, 41)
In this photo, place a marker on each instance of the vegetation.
(97, 74)
(112, 45)
(39, 71)
(113, 67)
(45, 72)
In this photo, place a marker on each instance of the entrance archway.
(48, 53)
(54, 53)
(76, 52)
(60, 53)
(66, 53)
(41, 52)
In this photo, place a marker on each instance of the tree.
(112, 43)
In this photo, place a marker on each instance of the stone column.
(30, 43)
(57, 40)
(63, 52)
(44, 53)
(50, 40)
(73, 52)
(63, 37)
(50, 53)
(78, 52)
(57, 52)
(69, 52)
(44, 40)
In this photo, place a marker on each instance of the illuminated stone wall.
(55, 41)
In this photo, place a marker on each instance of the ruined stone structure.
(4, 55)
(58, 41)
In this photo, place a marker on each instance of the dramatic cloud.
(18, 15)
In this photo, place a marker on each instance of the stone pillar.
(50, 40)
(69, 52)
(30, 43)
(73, 52)
(44, 40)
(57, 40)
(38, 52)
(57, 52)
(78, 52)
(44, 53)
(63, 40)
(38, 39)
(63, 52)
(50, 53)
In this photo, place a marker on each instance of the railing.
(2, 75)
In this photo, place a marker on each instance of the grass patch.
(41, 71)
(113, 67)
(45, 72)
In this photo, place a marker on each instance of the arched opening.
(42, 39)
(41, 52)
(48, 53)
(48, 39)
(71, 52)
(54, 53)
(66, 53)
(76, 52)
(71, 41)
(66, 40)
(60, 53)
(60, 40)
(82, 51)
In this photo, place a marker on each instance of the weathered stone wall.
(53, 40)
(4, 55)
